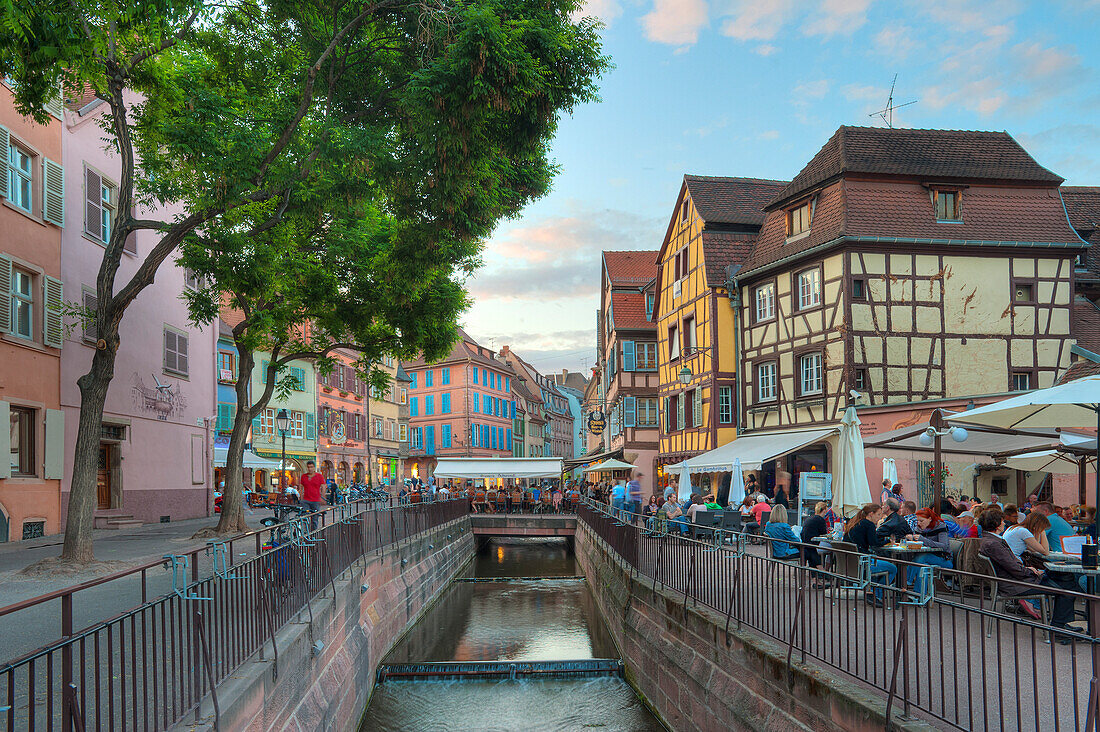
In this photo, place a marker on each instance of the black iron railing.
(944, 648)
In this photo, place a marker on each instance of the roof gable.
(631, 268)
(947, 155)
(724, 200)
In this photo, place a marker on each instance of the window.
(227, 367)
(22, 441)
(947, 205)
(689, 335)
(697, 408)
(445, 436)
(484, 377)
(101, 198)
(267, 422)
(809, 288)
(680, 403)
(20, 179)
(377, 427)
(647, 411)
(646, 356)
(88, 326)
(860, 380)
(649, 300)
(684, 210)
(175, 352)
(765, 302)
(445, 403)
(486, 404)
(673, 343)
(507, 385)
(445, 376)
(412, 381)
(22, 304)
(402, 433)
(765, 381)
(810, 373)
(1021, 381)
(475, 374)
(404, 396)
(429, 405)
(859, 289)
(684, 264)
(798, 220)
(414, 407)
(725, 404)
(297, 425)
(192, 281)
(427, 378)
(1023, 292)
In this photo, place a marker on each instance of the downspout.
(733, 289)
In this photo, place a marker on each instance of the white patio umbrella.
(685, 484)
(850, 489)
(737, 482)
(1073, 404)
(1046, 461)
(890, 470)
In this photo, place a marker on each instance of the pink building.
(460, 406)
(156, 442)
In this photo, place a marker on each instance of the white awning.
(251, 460)
(753, 450)
(541, 467)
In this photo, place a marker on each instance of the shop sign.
(597, 422)
(338, 435)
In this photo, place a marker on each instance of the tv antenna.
(887, 114)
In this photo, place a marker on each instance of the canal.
(520, 600)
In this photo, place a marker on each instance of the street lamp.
(931, 437)
(282, 423)
(685, 375)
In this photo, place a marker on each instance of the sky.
(755, 88)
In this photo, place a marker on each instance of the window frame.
(688, 328)
(861, 380)
(789, 217)
(644, 406)
(1029, 283)
(641, 347)
(17, 298)
(935, 193)
(758, 381)
(17, 175)
(756, 302)
(796, 286)
(802, 356)
(674, 339)
(26, 465)
(1031, 379)
(182, 373)
(859, 283)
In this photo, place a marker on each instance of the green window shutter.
(54, 462)
(5, 434)
(311, 427)
(263, 371)
(629, 361)
(225, 418)
(53, 329)
(5, 299)
(54, 105)
(628, 411)
(5, 142)
(53, 192)
(257, 428)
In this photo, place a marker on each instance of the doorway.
(103, 475)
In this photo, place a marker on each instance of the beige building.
(388, 426)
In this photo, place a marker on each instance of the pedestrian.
(633, 504)
(750, 486)
(311, 483)
(618, 498)
(887, 493)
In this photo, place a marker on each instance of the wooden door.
(103, 476)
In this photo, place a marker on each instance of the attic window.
(684, 211)
(946, 204)
(798, 220)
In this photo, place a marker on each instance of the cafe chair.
(984, 566)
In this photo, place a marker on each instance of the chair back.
(982, 565)
(731, 521)
(847, 558)
(1073, 544)
(764, 516)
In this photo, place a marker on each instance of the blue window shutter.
(484, 435)
(507, 385)
(429, 405)
(475, 374)
(513, 409)
(414, 407)
(473, 435)
(445, 376)
(484, 377)
(446, 438)
(257, 427)
(485, 404)
(263, 371)
(509, 435)
(429, 440)
(445, 404)
(628, 411)
(311, 426)
(477, 404)
(629, 361)
(412, 384)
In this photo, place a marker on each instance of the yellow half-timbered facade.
(711, 231)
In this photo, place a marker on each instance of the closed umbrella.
(737, 482)
(685, 483)
(1073, 404)
(850, 489)
(890, 470)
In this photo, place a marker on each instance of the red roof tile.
(1086, 324)
(630, 268)
(628, 311)
(722, 200)
(1079, 369)
(1083, 208)
(943, 155)
(720, 250)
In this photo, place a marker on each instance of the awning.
(611, 464)
(753, 450)
(593, 456)
(977, 442)
(543, 467)
(251, 460)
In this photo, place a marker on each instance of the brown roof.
(1083, 208)
(722, 200)
(1079, 369)
(903, 211)
(943, 155)
(630, 268)
(721, 249)
(465, 348)
(628, 311)
(1086, 323)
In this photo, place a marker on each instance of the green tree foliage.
(429, 120)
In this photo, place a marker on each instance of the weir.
(455, 670)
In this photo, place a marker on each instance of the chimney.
(504, 351)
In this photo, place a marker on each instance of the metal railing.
(153, 665)
(938, 651)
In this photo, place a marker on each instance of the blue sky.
(755, 88)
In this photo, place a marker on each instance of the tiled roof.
(628, 309)
(731, 200)
(894, 209)
(1083, 208)
(943, 155)
(1086, 324)
(1079, 369)
(464, 348)
(721, 249)
(630, 268)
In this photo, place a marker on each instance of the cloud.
(768, 135)
(1070, 150)
(549, 352)
(675, 22)
(708, 129)
(810, 90)
(896, 42)
(837, 17)
(765, 49)
(605, 10)
(757, 20)
(559, 256)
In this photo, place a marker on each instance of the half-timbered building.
(628, 358)
(712, 229)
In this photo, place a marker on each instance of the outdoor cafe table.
(905, 554)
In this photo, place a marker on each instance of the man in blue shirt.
(633, 503)
(618, 495)
(1059, 527)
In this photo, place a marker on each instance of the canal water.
(552, 619)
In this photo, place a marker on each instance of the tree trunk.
(232, 517)
(82, 493)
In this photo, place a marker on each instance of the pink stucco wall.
(166, 455)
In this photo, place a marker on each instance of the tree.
(235, 107)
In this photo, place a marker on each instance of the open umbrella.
(850, 489)
(1073, 404)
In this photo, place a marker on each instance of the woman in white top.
(1030, 536)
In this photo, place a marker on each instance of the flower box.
(327, 389)
(343, 393)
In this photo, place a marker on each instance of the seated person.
(760, 509)
(1025, 580)
(695, 507)
(672, 513)
(779, 530)
(1030, 536)
(860, 530)
(893, 527)
(932, 533)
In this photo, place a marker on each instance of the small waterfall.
(480, 670)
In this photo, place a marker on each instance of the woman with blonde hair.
(780, 531)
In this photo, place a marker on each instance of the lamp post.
(282, 423)
(932, 436)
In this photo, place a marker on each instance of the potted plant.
(327, 389)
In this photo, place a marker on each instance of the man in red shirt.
(312, 483)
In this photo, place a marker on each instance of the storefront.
(271, 479)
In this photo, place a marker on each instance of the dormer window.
(946, 204)
(798, 220)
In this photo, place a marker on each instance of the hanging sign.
(597, 422)
(339, 434)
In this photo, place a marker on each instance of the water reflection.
(507, 557)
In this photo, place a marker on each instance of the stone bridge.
(523, 524)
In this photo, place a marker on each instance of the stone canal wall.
(677, 659)
(329, 690)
